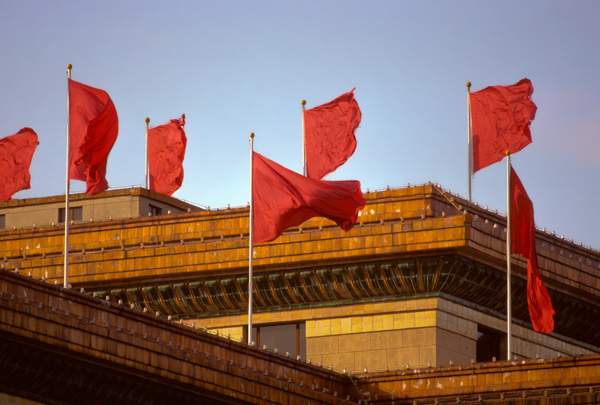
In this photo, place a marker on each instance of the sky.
(235, 67)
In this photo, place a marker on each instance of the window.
(490, 343)
(76, 214)
(289, 338)
(2, 221)
(154, 210)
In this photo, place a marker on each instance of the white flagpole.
(303, 140)
(469, 137)
(146, 167)
(67, 213)
(250, 275)
(508, 292)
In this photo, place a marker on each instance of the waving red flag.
(329, 134)
(16, 152)
(166, 151)
(283, 198)
(94, 128)
(523, 241)
(500, 117)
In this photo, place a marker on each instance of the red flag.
(94, 128)
(523, 241)
(500, 117)
(283, 198)
(329, 134)
(166, 150)
(16, 152)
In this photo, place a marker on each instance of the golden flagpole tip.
(507, 153)
(468, 85)
(69, 66)
(251, 135)
(147, 120)
(303, 102)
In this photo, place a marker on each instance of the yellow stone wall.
(389, 335)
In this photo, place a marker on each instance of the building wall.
(114, 204)
(28, 216)
(421, 333)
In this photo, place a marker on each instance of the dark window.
(290, 337)
(490, 343)
(76, 214)
(2, 221)
(154, 210)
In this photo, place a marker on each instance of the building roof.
(410, 241)
(133, 191)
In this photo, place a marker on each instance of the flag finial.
(303, 102)
(147, 120)
(251, 135)
(507, 153)
(468, 85)
(69, 66)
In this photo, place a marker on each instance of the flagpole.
(146, 167)
(508, 291)
(67, 213)
(303, 140)
(250, 275)
(469, 137)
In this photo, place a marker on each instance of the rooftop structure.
(113, 204)
(62, 346)
(418, 283)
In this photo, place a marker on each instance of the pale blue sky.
(235, 67)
